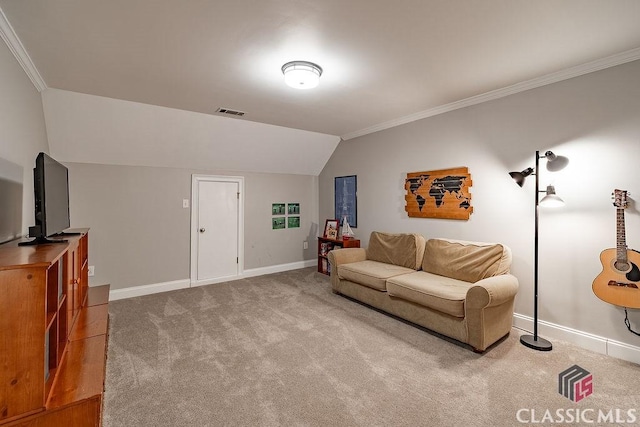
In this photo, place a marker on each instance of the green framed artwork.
(288, 215)
(293, 208)
(293, 222)
(277, 209)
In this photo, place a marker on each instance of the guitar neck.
(621, 239)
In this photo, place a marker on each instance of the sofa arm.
(492, 291)
(345, 256)
(489, 310)
(338, 257)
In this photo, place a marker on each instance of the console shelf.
(325, 245)
(54, 335)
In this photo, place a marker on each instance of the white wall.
(130, 167)
(140, 233)
(22, 127)
(594, 120)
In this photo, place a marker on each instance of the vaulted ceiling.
(384, 62)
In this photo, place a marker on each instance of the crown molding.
(579, 70)
(15, 46)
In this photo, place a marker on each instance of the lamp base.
(536, 343)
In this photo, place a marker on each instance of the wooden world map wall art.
(441, 193)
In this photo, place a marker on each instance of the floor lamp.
(554, 163)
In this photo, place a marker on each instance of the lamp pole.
(533, 341)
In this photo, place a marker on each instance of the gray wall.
(22, 127)
(140, 233)
(593, 119)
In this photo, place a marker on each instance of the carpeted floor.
(282, 350)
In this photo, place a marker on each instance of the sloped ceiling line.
(589, 67)
(15, 46)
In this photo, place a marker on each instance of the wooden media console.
(53, 335)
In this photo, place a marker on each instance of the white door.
(216, 229)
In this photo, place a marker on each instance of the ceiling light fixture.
(301, 74)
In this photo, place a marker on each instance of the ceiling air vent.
(230, 112)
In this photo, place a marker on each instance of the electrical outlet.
(305, 245)
(92, 270)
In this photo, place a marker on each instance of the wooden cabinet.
(325, 245)
(53, 335)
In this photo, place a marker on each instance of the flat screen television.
(51, 191)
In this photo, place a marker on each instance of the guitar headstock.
(620, 198)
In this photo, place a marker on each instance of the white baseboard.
(623, 351)
(196, 283)
(155, 288)
(279, 268)
(582, 339)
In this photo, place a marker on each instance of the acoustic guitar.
(619, 281)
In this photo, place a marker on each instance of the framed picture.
(293, 208)
(331, 229)
(346, 203)
(277, 223)
(277, 209)
(444, 193)
(293, 222)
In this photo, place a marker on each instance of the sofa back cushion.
(406, 250)
(468, 261)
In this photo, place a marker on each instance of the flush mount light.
(301, 74)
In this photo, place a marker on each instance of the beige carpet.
(282, 350)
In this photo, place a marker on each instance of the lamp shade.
(551, 199)
(519, 177)
(301, 74)
(554, 162)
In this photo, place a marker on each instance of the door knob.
(202, 230)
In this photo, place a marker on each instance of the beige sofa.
(457, 288)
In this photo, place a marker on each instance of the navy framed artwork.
(346, 199)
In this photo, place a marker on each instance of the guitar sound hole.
(621, 266)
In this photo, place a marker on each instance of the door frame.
(195, 180)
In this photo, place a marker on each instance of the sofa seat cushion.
(372, 274)
(439, 293)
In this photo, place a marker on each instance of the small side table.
(325, 245)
